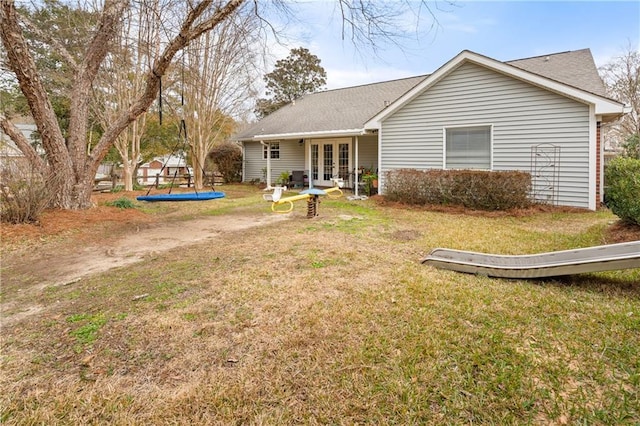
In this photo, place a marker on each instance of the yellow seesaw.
(311, 195)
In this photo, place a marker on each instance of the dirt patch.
(66, 246)
(55, 267)
(57, 222)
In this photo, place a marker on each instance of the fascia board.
(309, 135)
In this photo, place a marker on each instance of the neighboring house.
(10, 155)
(163, 169)
(540, 115)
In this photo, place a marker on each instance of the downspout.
(379, 171)
(593, 153)
(269, 187)
(244, 162)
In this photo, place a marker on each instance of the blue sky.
(503, 30)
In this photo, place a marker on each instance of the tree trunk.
(73, 168)
(127, 175)
(198, 165)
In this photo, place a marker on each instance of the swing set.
(183, 140)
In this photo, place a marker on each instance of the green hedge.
(622, 191)
(484, 190)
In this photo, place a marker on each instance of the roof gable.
(603, 105)
(352, 110)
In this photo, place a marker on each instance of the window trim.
(268, 147)
(466, 126)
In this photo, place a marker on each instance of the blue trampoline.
(190, 196)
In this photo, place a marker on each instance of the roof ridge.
(372, 84)
(548, 54)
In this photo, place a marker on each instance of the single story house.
(11, 158)
(163, 169)
(540, 115)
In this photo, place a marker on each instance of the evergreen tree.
(296, 75)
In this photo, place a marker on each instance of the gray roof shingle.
(574, 68)
(351, 107)
(339, 109)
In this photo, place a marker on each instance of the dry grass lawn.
(330, 320)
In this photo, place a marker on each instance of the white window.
(275, 150)
(468, 147)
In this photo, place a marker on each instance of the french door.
(330, 159)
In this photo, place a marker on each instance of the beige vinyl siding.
(521, 115)
(291, 158)
(253, 162)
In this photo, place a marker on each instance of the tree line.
(99, 82)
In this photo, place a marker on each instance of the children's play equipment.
(183, 140)
(551, 264)
(311, 194)
(190, 196)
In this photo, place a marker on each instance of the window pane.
(343, 161)
(328, 161)
(314, 162)
(468, 148)
(275, 150)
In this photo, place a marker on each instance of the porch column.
(268, 145)
(355, 168)
(309, 171)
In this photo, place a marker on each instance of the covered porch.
(321, 158)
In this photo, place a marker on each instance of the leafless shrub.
(227, 157)
(24, 194)
(483, 190)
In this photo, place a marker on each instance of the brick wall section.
(598, 164)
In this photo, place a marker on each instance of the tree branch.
(23, 145)
(95, 54)
(22, 64)
(46, 37)
(181, 40)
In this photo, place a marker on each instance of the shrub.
(23, 194)
(227, 157)
(622, 179)
(631, 146)
(122, 203)
(469, 188)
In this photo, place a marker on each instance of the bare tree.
(123, 77)
(218, 85)
(68, 156)
(622, 79)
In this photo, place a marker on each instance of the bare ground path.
(61, 263)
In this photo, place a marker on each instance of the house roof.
(169, 160)
(348, 111)
(333, 112)
(575, 68)
(603, 106)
